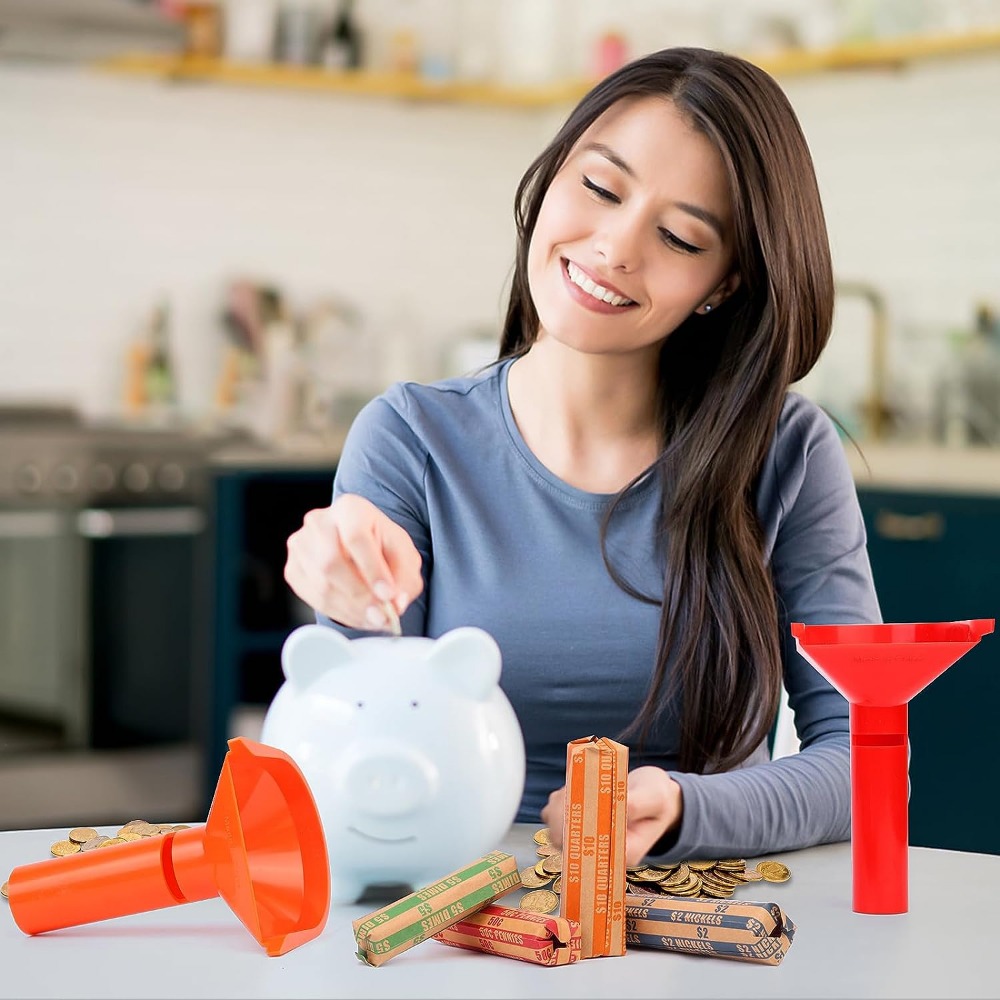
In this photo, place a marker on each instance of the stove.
(103, 569)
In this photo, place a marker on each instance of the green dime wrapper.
(752, 932)
(385, 933)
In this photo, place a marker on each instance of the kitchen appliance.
(102, 535)
(879, 669)
(262, 850)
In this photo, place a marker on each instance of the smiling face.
(634, 232)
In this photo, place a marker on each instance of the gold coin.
(546, 850)
(700, 866)
(3, 891)
(128, 836)
(61, 848)
(752, 875)
(542, 836)
(647, 874)
(552, 864)
(540, 901)
(113, 842)
(392, 625)
(531, 879)
(94, 842)
(81, 834)
(773, 871)
(557, 885)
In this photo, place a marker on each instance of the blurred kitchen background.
(228, 224)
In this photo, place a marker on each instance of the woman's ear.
(726, 287)
(721, 292)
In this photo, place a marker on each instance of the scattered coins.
(714, 879)
(3, 890)
(86, 838)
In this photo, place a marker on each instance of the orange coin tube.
(593, 839)
(262, 849)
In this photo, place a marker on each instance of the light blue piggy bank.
(412, 751)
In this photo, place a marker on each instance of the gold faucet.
(875, 409)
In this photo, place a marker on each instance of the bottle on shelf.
(342, 45)
(160, 387)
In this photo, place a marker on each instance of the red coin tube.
(262, 850)
(539, 938)
(878, 669)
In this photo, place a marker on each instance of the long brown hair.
(722, 382)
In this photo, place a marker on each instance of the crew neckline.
(579, 497)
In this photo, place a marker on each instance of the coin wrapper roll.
(543, 939)
(394, 928)
(753, 932)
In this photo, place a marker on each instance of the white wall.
(112, 190)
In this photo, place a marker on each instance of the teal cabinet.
(936, 557)
(255, 509)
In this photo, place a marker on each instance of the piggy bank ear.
(310, 651)
(468, 660)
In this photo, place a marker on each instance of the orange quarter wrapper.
(543, 939)
(593, 844)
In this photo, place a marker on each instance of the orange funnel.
(878, 669)
(262, 850)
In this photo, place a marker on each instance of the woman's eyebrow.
(703, 214)
(609, 154)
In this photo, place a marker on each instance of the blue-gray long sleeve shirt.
(509, 547)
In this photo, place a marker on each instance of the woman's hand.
(654, 805)
(348, 559)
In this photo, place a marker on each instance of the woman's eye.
(677, 243)
(602, 193)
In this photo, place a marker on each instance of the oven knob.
(65, 478)
(171, 476)
(28, 479)
(136, 477)
(102, 477)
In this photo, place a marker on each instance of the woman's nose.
(619, 242)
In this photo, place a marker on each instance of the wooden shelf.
(405, 87)
(892, 53)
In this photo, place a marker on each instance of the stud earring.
(708, 307)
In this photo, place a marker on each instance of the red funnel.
(878, 669)
(262, 850)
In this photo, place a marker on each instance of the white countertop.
(944, 946)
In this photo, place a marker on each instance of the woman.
(630, 500)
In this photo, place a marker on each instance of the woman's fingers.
(347, 560)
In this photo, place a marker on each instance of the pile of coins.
(716, 879)
(86, 838)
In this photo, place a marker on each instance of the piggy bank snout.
(390, 781)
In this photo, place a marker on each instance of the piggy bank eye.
(360, 704)
(414, 704)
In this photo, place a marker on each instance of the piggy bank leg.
(344, 889)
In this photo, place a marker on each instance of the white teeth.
(591, 288)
